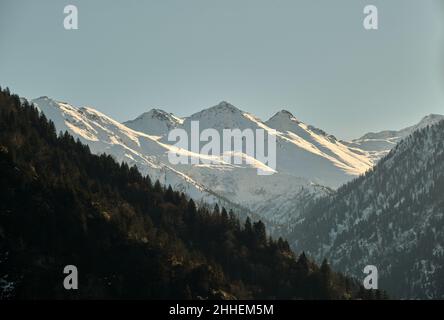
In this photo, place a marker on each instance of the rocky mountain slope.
(392, 217)
(380, 143)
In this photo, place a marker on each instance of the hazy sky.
(311, 57)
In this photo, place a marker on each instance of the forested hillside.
(129, 237)
(392, 217)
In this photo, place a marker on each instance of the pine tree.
(157, 186)
(259, 232)
(224, 215)
(326, 280)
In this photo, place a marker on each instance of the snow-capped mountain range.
(380, 143)
(310, 162)
(364, 222)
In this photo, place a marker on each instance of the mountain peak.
(45, 101)
(222, 109)
(156, 114)
(42, 98)
(284, 115)
(153, 113)
(156, 121)
(431, 118)
(224, 105)
(285, 112)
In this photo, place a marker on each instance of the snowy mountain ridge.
(308, 163)
(393, 218)
(380, 143)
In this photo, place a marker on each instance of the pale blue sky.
(312, 57)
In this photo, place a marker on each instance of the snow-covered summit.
(282, 116)
(224, 115)
(428, 120)
(155, 122)
(378, 144)
(221, 107)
